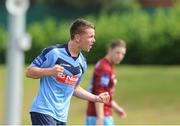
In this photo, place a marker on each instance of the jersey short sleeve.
(46, 59)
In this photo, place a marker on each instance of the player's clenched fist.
(103, 97)
(57, 70)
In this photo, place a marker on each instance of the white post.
(15, 60)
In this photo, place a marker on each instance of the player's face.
(117, 54)
(87, 39)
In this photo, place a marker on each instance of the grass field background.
(149, 94)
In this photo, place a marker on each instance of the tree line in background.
(152, 38)
(107, 5)
(83, 4)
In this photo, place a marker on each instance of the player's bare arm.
(100, 113)
(83, 94)
(119, 110)
(37, 72)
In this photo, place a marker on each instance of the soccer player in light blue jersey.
(60, 69)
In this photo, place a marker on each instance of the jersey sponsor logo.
(104, 80)
(67, 79)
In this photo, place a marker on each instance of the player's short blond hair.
(117, 42)
(79, 26)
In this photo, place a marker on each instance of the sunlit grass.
(149, 94)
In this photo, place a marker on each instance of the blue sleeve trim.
(39, 60)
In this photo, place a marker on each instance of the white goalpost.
(18, 41)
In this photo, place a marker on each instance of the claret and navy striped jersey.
(54, 93)
(102, 81)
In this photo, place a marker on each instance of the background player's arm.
(83, 94)
(38, 72)
(119, 110)
(100, 113)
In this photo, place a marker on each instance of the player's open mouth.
(90, 46)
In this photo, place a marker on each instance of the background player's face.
(87, 39)
(117, 54)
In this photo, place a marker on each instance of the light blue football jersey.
(53, 97)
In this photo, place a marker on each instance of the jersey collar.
(67, 50)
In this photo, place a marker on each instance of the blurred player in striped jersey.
(104, 80)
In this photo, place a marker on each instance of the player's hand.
(103, 97)
(122, 113)
(57, 70)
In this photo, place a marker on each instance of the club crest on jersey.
(67, 79)
(104, 80)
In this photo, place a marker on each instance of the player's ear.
(109, 50)
(77, 37)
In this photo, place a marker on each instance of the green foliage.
(152, 38)
(3, 40)
(45, 34)
(97, 5)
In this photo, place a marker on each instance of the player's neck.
(73, 48)
(108, 57)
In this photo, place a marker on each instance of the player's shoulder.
(52, 47)
(102, 64)
(82, 58)
(82, 62)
